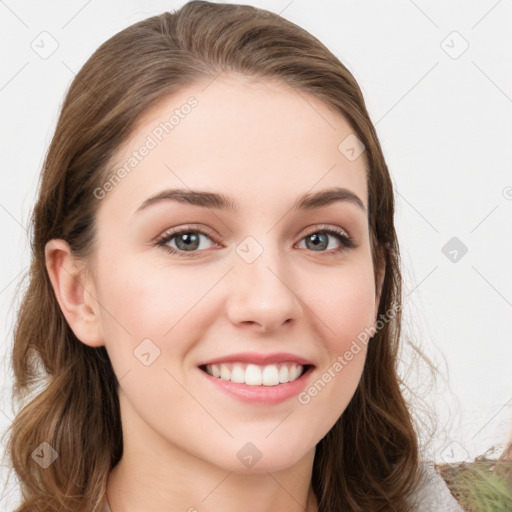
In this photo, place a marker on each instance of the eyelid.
(326, 227)
(188, 227)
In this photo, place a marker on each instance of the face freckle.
(265, 277)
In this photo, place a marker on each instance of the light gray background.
(444, 117)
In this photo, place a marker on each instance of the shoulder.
(434, 495)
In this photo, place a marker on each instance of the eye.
(318, 240)
(186, 240)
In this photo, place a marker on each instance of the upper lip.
(259, 359)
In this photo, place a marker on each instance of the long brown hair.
(369, 460)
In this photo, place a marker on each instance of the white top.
(434, 496)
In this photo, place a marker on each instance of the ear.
(74, 293)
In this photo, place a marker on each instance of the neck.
(159, 476)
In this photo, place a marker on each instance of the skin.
(263, 144)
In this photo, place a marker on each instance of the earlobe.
(76, 297)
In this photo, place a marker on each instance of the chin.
(267, 457)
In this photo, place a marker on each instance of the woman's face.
(258, 283)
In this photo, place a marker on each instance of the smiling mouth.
(256, 375)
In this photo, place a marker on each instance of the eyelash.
(345, 241)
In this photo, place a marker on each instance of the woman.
(215, 293)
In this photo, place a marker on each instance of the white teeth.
(283, 374)
(237, 374)
(294, 373)
(270, 376)
(225, 374)
(255, 375)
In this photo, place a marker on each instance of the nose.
(263, 294)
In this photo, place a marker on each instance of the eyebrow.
(222, 202)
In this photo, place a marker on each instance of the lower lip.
(266, 395)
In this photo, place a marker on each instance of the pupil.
(189, 241)
(317, 241)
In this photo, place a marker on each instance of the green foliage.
(484, 485)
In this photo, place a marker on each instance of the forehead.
(261, 142)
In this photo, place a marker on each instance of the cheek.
(149, 317)
(150, 299)
(141, 302)
(344, 303)
(345, 308)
